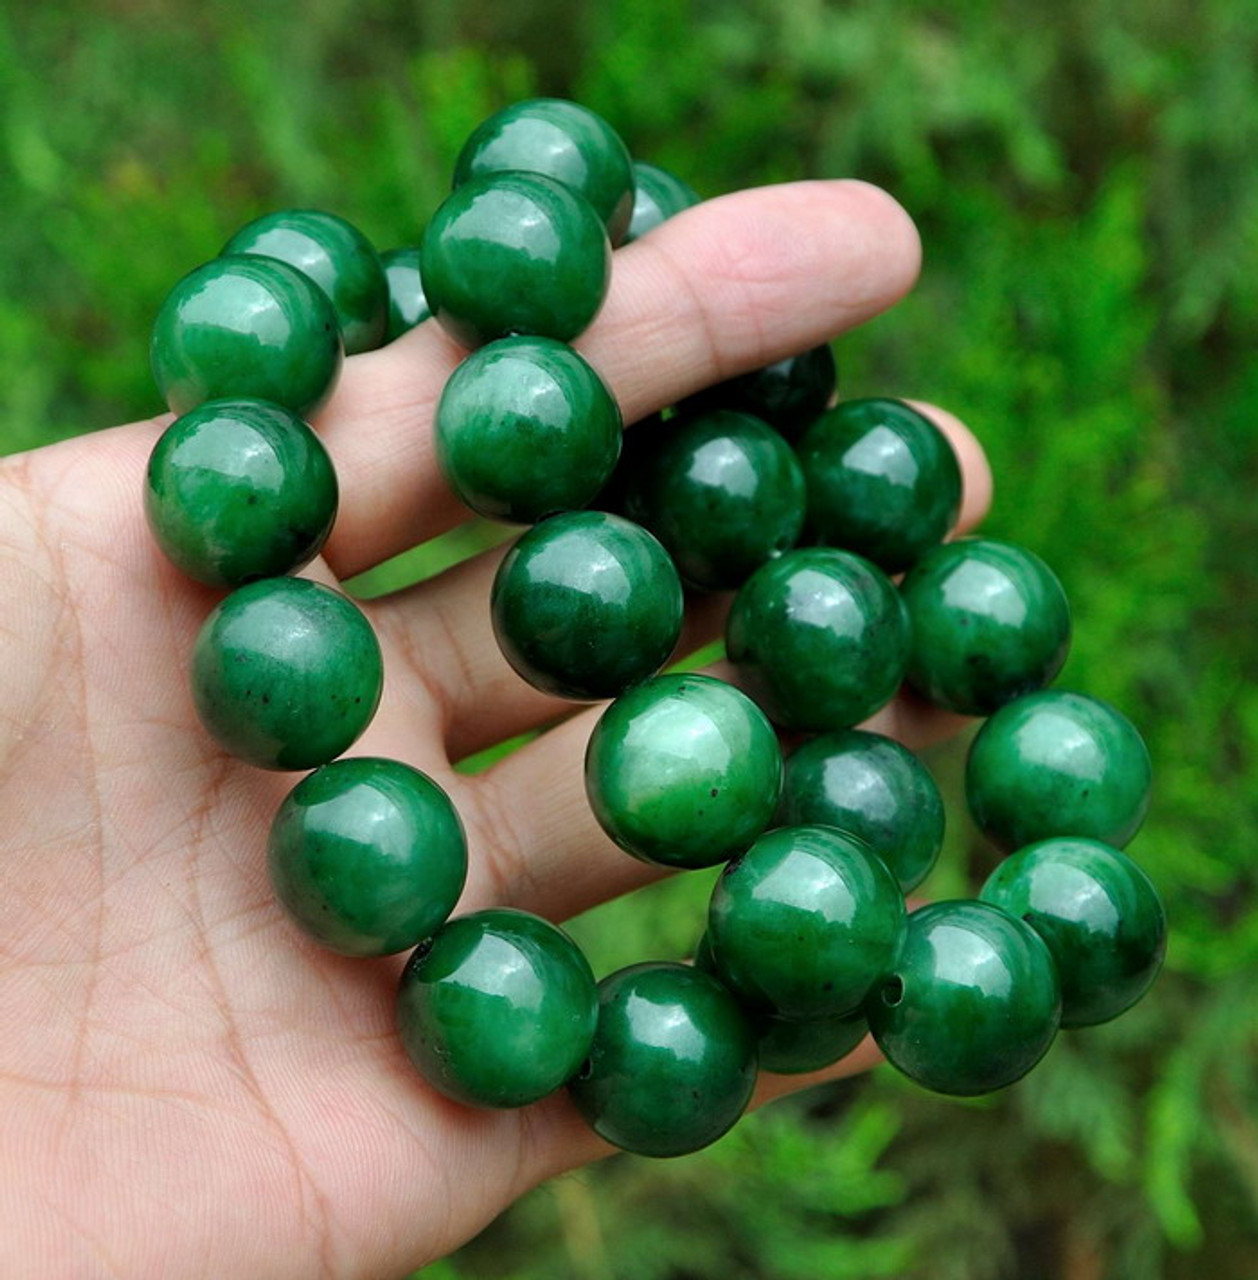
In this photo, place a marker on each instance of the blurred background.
(1085, 177)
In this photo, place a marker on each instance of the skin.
(187, 1086)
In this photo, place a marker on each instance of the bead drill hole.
(893, 992)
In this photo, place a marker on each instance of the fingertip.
(896, 240)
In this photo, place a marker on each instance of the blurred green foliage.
(1085, 177)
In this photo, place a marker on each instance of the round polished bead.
(1058, 764)
(657, 196)
(497, 1009)
(238, 490)
(973, 1002)
(526, 428)
(564, 141)
(683, 771)
(787, 394)
(286, 674)
(1100, 916)
(874, 788)
(407, 304)
(246, 326)
(989, 622)
(820, 638)
(805, 922)
(673, 1061)
(723, 492)
(586, 604)
(368, 856)
(882, 481)
(335, 256)
(514, 253)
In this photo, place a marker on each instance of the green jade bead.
(874, 788)
(497, 1009)
(286, 673)
(882, 479)
(683, 771)
(973, 1003)
(526, 428)
(333, 254)
(243, 326)
(1100, 916)
(514, 253)
(805, 923)
(792, 1046)
(562, 140)
(989, 622)
(586, 605)
(657, 196)
(368, 856)
(673, 1063)
(820, 639)
(238, 490)
(407, 305)
(1058, 764)
(788, 394)
(723, 492)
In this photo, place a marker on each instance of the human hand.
(188, 1086)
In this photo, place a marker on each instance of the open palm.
(188, 1086)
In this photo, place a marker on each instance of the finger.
(734, 283)
(444, 627)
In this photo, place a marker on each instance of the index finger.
(729, 285)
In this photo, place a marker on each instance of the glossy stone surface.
(883, 481)
(335, 256)
(564, 141)
(657, 196)
(239, 489)
(1100, 916)
(514, 253)
(820, 639)
(874, 788)
(973, 1003)
(1058, 764)
(286, 673)
(407, 304)
(673, 1062)
(526, 428)
(684, 771)
(788, 394)
(368, 856)
(805, 922)
(497, 1009)
(989, 622)
(722, 491)
(246, 326)
(586, 604)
